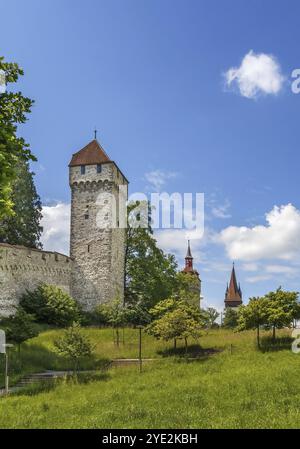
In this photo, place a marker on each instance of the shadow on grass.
(193, 352)
(267, 344)
(35, 358)
(49, 385)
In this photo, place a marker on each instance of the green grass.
(243, 389)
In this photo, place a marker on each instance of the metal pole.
(6, 372)
(140, 348)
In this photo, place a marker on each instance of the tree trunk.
(175, 343)
(258, 340)
(274, 333)
(186, 345)
(118, 337)
(123, 336)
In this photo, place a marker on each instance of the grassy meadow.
(230, 385)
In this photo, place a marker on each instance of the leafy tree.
(253, 315)
(210, 316)
(282, 308)
(150, 274)
(13, 109)
(20, 327)
(230, 318)
(175, 320)
(51, 305)
(114, 314)
(74, 346)
(186, 287)
(23, 228)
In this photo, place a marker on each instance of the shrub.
(51, 305)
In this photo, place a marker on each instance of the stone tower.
(189, 269)
(97, 235)
(233, 294)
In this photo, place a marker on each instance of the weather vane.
(95, 131)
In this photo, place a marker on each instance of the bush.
(51, 305)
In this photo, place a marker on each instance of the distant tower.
(97, 248)
(233, 294)
(189, 269)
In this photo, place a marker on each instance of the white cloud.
(158, 178)
(279, 239)
(257, 74)
(259, 278)
(249, 267)
(56, 224)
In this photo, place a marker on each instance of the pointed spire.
(233, 295)
(189, 253)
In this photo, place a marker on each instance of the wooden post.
(140, 348)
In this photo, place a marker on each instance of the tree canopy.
(13, 110)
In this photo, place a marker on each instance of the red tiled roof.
(91, 154)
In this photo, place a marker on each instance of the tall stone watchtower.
(97, 241)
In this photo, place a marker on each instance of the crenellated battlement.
(24, 269)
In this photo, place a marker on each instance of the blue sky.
(151, 75)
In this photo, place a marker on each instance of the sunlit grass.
(235, 387)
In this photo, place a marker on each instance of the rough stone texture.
(23, 268)
(97, 245)
(95, 271)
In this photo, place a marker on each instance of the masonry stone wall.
(97, 248)
(24, 269)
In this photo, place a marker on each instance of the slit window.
(82, 169)
(99, 168)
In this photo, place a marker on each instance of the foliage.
(51, 305)
(253, 315)
(282, 308)
(114, 314)
(230, 320)
(210, 315)
(20, 327)
(23, 228)
(150, 274)
(186, 287)
(74, 345)
(13, 109)
(175, 319)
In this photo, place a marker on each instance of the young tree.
(253, 315)
(74, 346)
(13, 109)
(210, 316)
(150, 274)
(175, 319)
(23, 228)
(282, 308)
(20, 327)
(114, 314)
(230, 318)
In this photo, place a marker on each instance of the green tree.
(51, 305)
(210, 316)
(13, 110)
(186, 286)
(175, 319)
(74, 346)
(114, 314)
(23, 228)
(20, 327)
(150, 274)
(282, 309)
(230, 320)
(253, 315)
